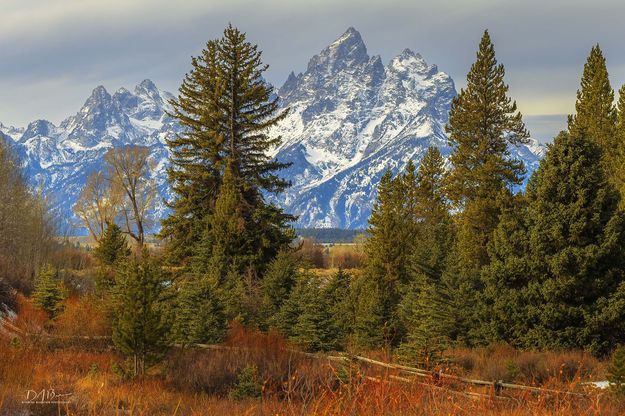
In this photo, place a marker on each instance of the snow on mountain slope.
(351, 118)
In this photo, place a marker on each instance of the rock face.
(351, 118)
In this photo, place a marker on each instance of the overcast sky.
(54, 52)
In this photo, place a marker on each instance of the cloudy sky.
(54, 52)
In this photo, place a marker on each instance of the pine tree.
(112, 246)
(49, 291)
(313, 329)
(226, 108)
(424, 308)
(139, 325)
(434, 228)
(506, 314)
(199, 317)
(483, 123)
(595, 111)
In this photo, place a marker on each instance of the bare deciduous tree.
(129, 172)
(98, 204)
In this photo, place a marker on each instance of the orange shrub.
(86, 316)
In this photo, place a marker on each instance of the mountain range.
(350, 119)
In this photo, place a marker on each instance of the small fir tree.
(139, 326)
(112, 246)
(49, 291)
(616, 370)
(199, 318)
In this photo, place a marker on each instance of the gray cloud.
(54, 52)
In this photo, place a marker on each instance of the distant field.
(329, 235)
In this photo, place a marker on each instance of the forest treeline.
(453, 255)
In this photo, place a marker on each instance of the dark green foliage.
(278, 281)
(248, 386)
(139, 325)
(620, 147)
(340, 304)
(424, 311)
(49, 291)
(505, 303)
(557, 264)
(226, 109)
(371, 328)
(308, 314)
(199, 317)
(616, 370)
(391, 226)
(483, 123)
(594, 109)
(112, 246)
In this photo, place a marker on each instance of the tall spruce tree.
(594, 109)
(483, 123)
(620, 147)
(225, 108)
(139, 321)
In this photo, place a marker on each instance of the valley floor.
(86, 378)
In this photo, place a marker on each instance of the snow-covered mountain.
(351, 118)
(59, 158)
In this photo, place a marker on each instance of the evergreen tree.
(199, 316)
(556, 268)
(313, 329)
(226, 108)
(424, 312)
(483, 123)
(388, 247)
(616, 370)
(340, 305)
(506, 313)
(595, 111)
(49, 291)
(620, 147)
(277, 284)
(112, 246)
(434, 230)
(139, 324)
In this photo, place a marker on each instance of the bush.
(248, 386)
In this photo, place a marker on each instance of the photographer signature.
(46, 396)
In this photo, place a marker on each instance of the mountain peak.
(146, 85)
(347, 50)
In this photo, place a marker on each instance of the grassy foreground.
(85, 377)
